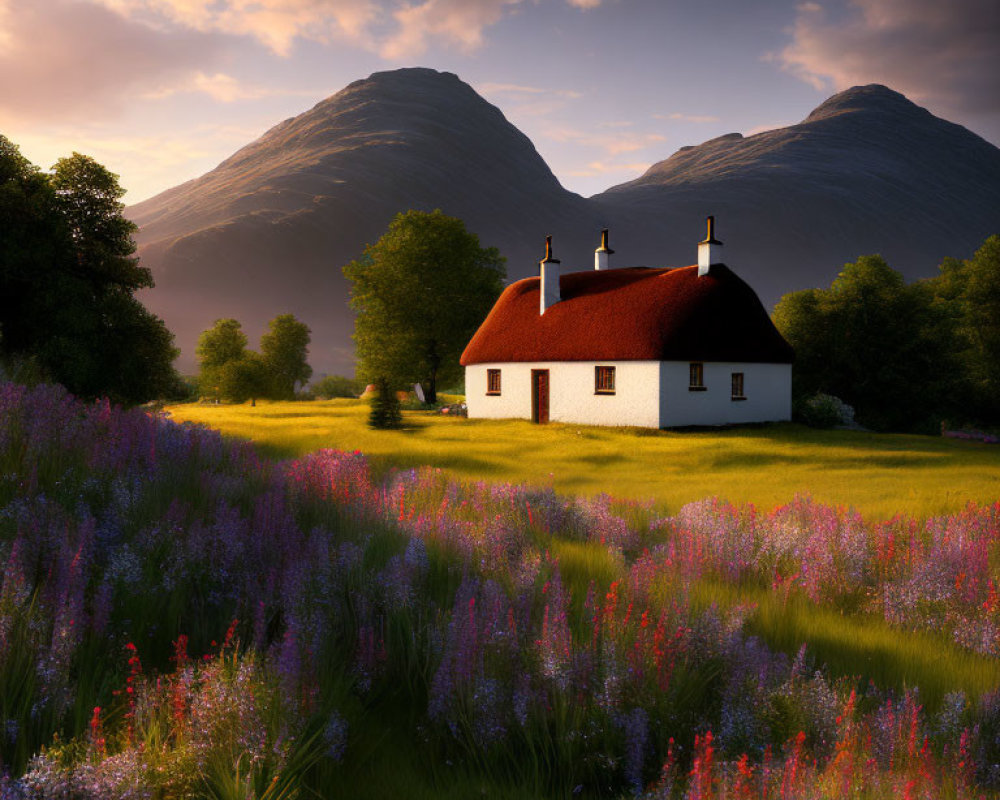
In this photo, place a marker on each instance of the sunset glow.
(163, 90)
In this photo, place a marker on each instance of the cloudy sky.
(162, 90)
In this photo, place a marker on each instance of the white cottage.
(654, 348)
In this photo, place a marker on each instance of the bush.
(337, 386)
(825, 411)
(24, 370)
(386, 412)
(183, 390)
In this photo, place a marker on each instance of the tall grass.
(181, 617)
(864, 647)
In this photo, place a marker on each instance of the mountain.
(268, 230)
(867, 172)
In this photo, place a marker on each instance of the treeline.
(229, 371)
(67, 280)
(906, 356)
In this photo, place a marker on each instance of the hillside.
(268, 230)
(867, 171)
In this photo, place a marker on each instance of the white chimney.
(601, 253)
(548, 290)
(710, 250)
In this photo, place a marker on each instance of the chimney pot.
(601, 253)
(548, 282)
(709, 250)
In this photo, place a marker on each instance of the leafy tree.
(801, 320)
(136, 350)
(31, 247)
(245, 378)
(229, 370)
(284, 347)
(67, 278)
(981, 325)
(220, 345)
(420, 292)
(966, 298)
(872, 341)
(89, 198)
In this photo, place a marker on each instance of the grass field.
(879, 475)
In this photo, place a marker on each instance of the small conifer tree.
(385, 407)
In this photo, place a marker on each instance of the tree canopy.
(222, 344)
(420, 292)
(67, 278)
(246, 378)
(284, 348)
(966, 296)
(903, 355)
(228, 370)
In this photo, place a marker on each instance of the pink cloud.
(456, 22)
(611, 143)
(62, 60)
(945, 53)
(396, 29)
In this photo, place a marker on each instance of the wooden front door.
(540, 395)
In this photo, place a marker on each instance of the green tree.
(966, 298)
(420, 292)
(981, 325)
(872, 341)
(89, 199)
(801, 319)
(67, 278)
(245, 378)
(136, 349)
(220, 345)
(285, 347)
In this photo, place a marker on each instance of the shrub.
(386, 412)
(825, 411)
(337, 386)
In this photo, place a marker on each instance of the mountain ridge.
(268, 229)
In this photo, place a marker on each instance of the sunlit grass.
(880, 475)
(860, 646)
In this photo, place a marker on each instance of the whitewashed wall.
(767, 387)
(650, 394)
(571, 392)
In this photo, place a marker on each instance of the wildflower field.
(182, 617)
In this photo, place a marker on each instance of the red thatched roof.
(635, 314)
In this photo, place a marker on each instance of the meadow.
(183, 616)
(878, 475)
